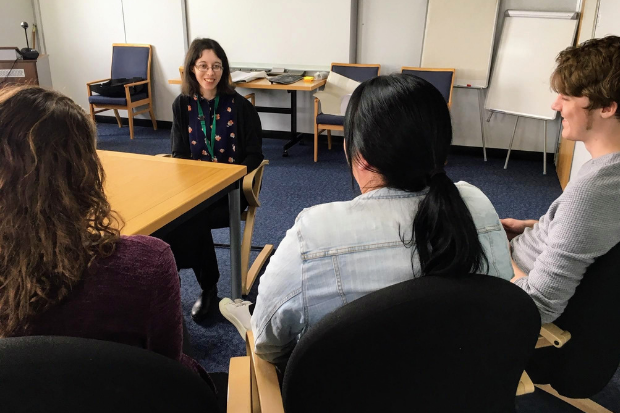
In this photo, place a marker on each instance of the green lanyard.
(204, 125)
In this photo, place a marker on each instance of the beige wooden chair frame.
(130, 105)
(552, 335)
(426, 69)
(319, 127)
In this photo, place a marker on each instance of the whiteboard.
(525, 60)
(607, 18)
(275, 33)
(459, 35)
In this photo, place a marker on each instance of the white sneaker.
(238, 313)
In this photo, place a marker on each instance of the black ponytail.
(446, 238)
(401, 126)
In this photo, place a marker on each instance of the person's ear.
(609, 111)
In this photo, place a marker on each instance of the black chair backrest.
(129, 62)
(588, 361)
(439, 344)
(357, 73)
(66, 374)
(441, 80)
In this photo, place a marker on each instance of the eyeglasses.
(203, 67)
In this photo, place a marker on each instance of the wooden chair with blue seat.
(129, 60)
(324, 122)
(578, 354)
(442, 79)
(431, 344)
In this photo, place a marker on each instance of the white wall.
(164, 31)
(12, 13)
(80, 46)
(390, 33)
(82, 51)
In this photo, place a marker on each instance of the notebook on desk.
(240, 76)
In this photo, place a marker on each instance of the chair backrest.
(67, 374)
(588, 361)
(442, 79)
(430, 344)
(131, 60)
(357, 72)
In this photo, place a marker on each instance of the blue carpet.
(293, 183)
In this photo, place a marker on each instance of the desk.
(292, 89)
(155, 194)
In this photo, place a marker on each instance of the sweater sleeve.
(165, 330)
(584, 226)
(179, 136)
(252, 134)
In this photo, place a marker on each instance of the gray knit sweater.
(581, 225)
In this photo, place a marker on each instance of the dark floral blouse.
(225, 129)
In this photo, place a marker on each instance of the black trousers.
(192, 242)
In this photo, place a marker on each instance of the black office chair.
(587, 361)
(67, 374)
(437, 344)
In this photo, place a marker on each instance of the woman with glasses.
(211, 123)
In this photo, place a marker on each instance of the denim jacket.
(338, 252)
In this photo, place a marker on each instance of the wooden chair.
(578, 354)
(442, 79)
(250, 96)
(407, 346)
(324, 122)
(128, 61)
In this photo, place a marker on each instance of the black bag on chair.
(115, 88)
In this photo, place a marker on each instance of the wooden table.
(154, 195)
(292, 110)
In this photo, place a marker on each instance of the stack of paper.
(240, 76)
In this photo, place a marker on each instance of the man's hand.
(514, 227)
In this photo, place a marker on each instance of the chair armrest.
(96, 81)
(251, 188)
(239, 386)
(265, 386)
(554, 335)
(136, 83)
(525, 385)
(316, 108)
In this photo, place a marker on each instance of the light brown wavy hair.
(55, 219)
(591, 69)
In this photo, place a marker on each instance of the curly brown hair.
(591, 69)
(55, 216)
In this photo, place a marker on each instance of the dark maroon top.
(132, 297)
